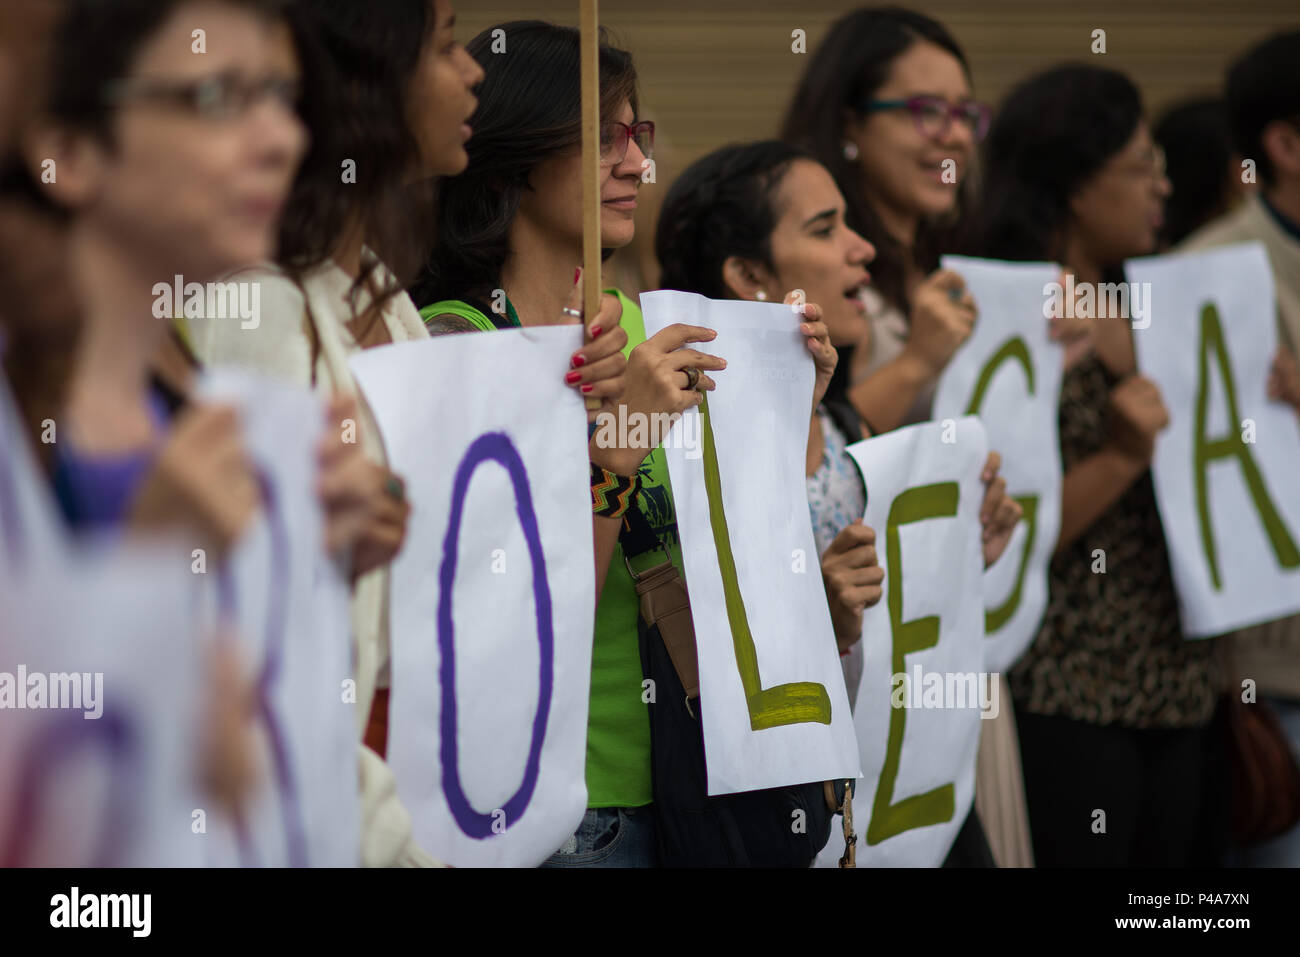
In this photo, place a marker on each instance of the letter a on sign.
(1229, 507)
(1230, 445)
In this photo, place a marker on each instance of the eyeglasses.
(225, 96)
(934, 115)
(1151, 166)
(614, 138)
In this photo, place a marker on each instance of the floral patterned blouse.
(1111, 648)
(836, 496)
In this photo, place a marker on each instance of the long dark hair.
(1198, 147)
(1052, 134)
(358, 61)
(528, 111)
(850, 65)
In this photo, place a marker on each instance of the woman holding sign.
(166, 164)
(386, 93)
(509, 237)
(512, 228)
(886, 106)
(1114, 704)
(747, 222)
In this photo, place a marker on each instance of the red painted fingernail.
(577, 273)
(595, 331)
(579, 360)
(587, 388)
(572, 377)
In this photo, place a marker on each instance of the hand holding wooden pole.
(590, 56)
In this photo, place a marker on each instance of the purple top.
(96, 492)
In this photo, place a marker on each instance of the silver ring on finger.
(692, 378)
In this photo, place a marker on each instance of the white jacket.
(280, 346)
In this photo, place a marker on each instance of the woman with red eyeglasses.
(509, 236)
(886, 106)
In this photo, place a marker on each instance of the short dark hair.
(1263, 86)
(93, 45)
(722, 205)
(850, 65)
(1198, 148)
(529, 110)
(96, 44)
(1054, 132)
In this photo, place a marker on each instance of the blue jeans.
(611, 837)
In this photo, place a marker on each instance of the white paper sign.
(493, 594)
(919, 732)
(99, 697)
(1009, 374)
(775, 710)
(290, 605)
(31, 530)
(1225, 469)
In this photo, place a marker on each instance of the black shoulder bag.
(749, 829)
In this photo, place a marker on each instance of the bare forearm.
(605, 534)
(1090, 488)
(605, 530)
(885, 396)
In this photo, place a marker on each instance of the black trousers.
(1115, 796)
(971, 846)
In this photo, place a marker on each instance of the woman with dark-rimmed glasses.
(886, 105)
(511, 229)
(166, 164)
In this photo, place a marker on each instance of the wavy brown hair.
(358, 59)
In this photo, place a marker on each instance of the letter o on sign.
(61, 738)
(491, 447)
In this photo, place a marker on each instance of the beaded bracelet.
(612, 495)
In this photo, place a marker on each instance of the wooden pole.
(590, 46)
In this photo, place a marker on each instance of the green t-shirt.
(474, 316)
(618, 720)
(618, 725)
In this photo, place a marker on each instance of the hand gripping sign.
(1225, 468)
(287, 605)
(924, 684)
(1009, 374)
(774, 707)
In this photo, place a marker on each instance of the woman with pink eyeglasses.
(886, 106)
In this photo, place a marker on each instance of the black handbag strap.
(637, 536)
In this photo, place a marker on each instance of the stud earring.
(760, 296)
(850, 150)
